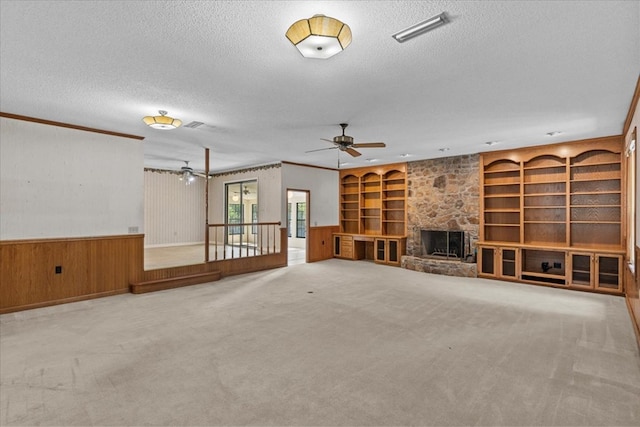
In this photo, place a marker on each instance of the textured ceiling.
(502, 71)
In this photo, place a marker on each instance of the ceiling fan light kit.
(188, 175)
(420, 28)
(162, 121)
(319, 37)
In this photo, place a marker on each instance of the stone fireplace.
(443, 195)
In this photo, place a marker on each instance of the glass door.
(242, 208)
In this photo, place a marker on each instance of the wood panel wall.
(632, 295)
(320, 243)
(91, 267)
(632, 282)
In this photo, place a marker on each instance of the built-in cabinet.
(499, 262)
(552, 215)
(389, 250)
(372, 214)
(595, 271)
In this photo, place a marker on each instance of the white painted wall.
(61, 182)
(323, 192)
(174, 213)
(269, 193)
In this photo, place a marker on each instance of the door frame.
(307, 226)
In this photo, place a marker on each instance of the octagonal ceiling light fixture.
(162, 121)
(319, 37)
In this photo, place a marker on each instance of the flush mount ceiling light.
(162, 121)
(420, 28)
(319, 36)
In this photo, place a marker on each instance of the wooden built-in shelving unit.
(373, 214)
(553, 215)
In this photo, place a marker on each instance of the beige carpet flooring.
(328, 343)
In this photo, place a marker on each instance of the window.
(234, 216)
(289, 219)
(301, 217)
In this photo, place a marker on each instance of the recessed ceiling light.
(490, 143)
(554, 133)
(444, 149)
(405, 155)
(372, 160)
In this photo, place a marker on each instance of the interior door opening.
(297, 226)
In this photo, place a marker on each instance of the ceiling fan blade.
(328, 140)
(369, 145)
(321, 149)
(201, 175)
(353, 152)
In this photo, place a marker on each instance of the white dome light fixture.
(319, 37)
(162, 121)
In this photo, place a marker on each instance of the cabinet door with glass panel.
(499, 262)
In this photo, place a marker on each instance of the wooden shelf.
(564, 197)
(495, 196)
(594, 179)
(586, 165)
(594, 193)
(595, 222)
(545, 222)
(543, 194)
(380, 200)
(543, 275)
(543, 182)
(542, 167)
(508, 184)
(594, 206)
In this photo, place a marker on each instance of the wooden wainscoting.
(320, 243)
(89, 267)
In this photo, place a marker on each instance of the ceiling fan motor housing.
(343, 139)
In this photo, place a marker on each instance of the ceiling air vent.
(193, 125)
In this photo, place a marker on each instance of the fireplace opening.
(443, 244)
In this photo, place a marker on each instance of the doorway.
(297, 226)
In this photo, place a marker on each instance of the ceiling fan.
(188, 175)
(345, 143)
